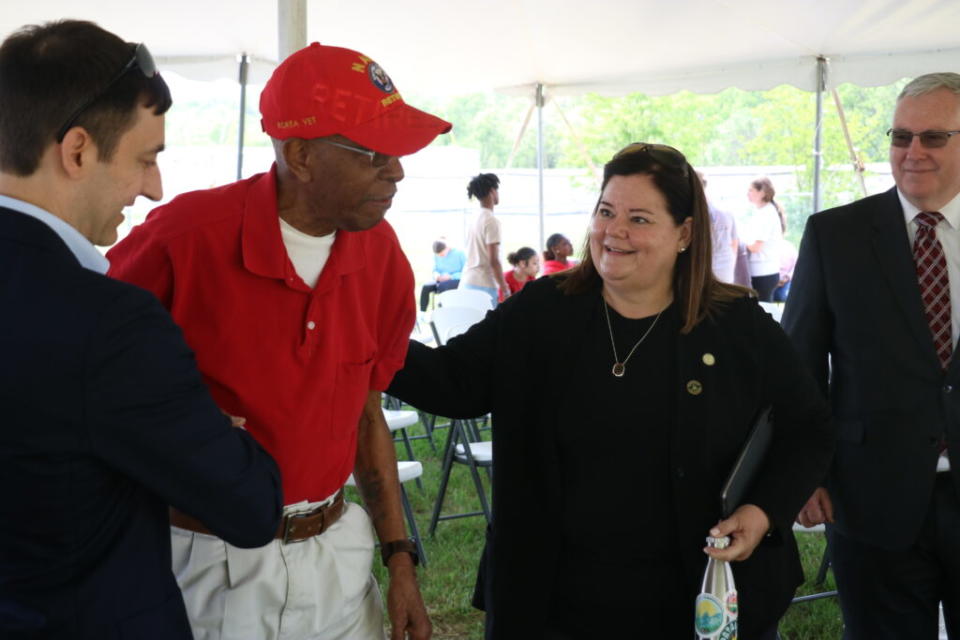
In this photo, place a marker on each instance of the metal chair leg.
(824, 565)
(412, 522)
(444, 476)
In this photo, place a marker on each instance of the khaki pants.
(317, 589)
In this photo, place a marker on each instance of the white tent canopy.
(569, 46)
(540, 48)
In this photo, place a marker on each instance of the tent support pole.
(576, 139)
(817, 156)
(539, 103)
(519, 138)
(244, 67)
(291, 27)
(858, 167)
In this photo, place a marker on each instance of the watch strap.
(387, 549)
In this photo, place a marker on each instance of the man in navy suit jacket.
(857, 315)
(106, 418)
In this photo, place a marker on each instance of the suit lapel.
(895, 258)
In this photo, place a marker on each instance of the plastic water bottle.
(716, 606)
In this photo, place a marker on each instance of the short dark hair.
(697, 292)
(481, 186)
(47, 71)
(520, 255)
(439, 245)
(553, 241)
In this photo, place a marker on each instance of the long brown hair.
(764, 185)
(695, 288)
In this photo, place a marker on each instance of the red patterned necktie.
(934, 282)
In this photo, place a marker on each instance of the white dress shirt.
(948, 233)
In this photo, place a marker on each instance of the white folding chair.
(470, 298)
(463, 442)
(407, 470)
(464, 447)
(397, 421)
(421, 330)
(448, 322)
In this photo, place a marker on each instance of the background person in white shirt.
(484, 271)
(761, 232)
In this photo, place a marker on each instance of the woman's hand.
(819, 509)
(746, 527)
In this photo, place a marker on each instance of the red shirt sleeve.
(396, 319)
(139, 259)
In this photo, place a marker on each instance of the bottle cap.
(718, 543)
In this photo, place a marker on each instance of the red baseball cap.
(323, 91)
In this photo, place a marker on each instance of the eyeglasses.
(929, 139)
(140, 59)
(377, 159)
(664, 154)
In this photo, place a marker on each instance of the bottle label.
(732, 603)
(729, 631)
(709, 615)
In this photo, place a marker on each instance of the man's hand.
(408, 615)
(819, 509)
(376, 473)
(235, 421)
(746, 527)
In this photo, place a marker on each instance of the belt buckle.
(290, 518)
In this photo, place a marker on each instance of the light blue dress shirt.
(86, 254)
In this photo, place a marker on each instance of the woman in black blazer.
(609, 468)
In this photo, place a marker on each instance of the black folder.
(748, 463)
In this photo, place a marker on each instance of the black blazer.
(536, 330)
(855, 299)
(106, 421)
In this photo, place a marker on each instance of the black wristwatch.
(387, 549)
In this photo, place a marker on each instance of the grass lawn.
(447, 583)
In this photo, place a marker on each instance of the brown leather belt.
(294, 527)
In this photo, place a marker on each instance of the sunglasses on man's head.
(928, 139)
(664, 154)
(140, 59)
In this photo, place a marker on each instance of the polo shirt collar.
(262, 244)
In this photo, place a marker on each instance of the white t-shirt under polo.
(307, 253)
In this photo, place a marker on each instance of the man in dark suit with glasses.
(875, 311)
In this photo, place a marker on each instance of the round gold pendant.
(619, 369)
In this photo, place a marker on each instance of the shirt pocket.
(350, 395)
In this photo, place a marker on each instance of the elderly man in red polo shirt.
(297, 299)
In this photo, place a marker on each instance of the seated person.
(447, 265)
(788, 259)
(526, 265)
(555, 257)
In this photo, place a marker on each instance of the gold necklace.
(620, 368)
